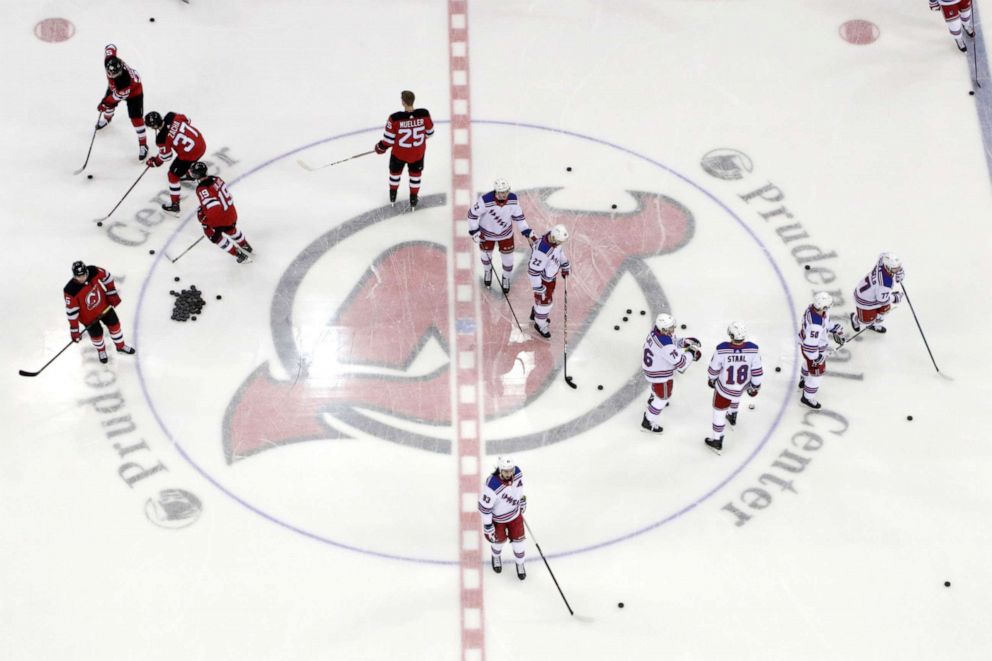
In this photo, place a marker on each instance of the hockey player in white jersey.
(957, 17)
(490, 223)
(734, 368)
(547, 259)
(874, 295)
(663, 354)
(816, 326)
(502, 504)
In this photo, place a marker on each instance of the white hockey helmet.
(559, 234)
(737, 331)
(502, 189)
(822, 300)
(505, 467)
(890, 261)
(665, 323)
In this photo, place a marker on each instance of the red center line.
(466, 341)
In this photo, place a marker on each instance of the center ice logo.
(401, 304)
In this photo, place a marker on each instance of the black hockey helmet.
(114, 66)
(153, 120)
(198, 170)
(79, 268)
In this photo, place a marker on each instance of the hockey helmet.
(665, 323)
(153, 120)
(559, 234)
(822, 300)
(890, 261)
(198, 170)
(79, 268)
(505, 467)
(502, 189)
(737, 331)
(114, 66)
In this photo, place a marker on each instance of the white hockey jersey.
(875, 290)
(496, 222)
(735, 367)
(499, 501)
(546, 259)
(813, 334)
(663, 355)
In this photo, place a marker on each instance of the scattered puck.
(192, 318)
(613, 206)
(909, 417)
(643, 312)
(151, 20)
(599, 387)
(620, 605)
(778, 369)
(629, 311)
(89, 176)
(99, 223)
(569, 168)
(151, 252)
(176, 278)
(683, 326)
(947, 584)
(625, 318)
(971, 93)
(751, 406)
(218, 297)
(616, 328)
(806, 267)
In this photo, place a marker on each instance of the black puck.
(625, 318)
(568, 169)
(778, 369)
(620, 605)
(947, 584)
(629, 310)
(643, 312)
(599, 387)
(89, 176)
(971, 93)
(176, 278)
(173, 292)
(909, 417)
(193, 318)
(99, 223)
(616, 328)
(683, 326)
(151, 252)
(151, 20)
(613, 206)
(218, 297)
(806, 267)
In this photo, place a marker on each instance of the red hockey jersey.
(177, 134)
(86, 302)
(216, 205)
(407, 133)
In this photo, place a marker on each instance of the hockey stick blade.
(306, 166)
(570, 382)
(24, 373)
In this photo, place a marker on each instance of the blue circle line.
(186, 457)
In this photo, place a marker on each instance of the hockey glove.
(839, 338)
(489, 532)
(819, 360)
(564, 274)
(694, 352)
(897, 297)
(201, 215)
(711, 383)
(104, 107)
(934, 5)
(154, 162)
(692, 342)
(753, 391)
(475, 236)
(113, 299)
(380, 148)
(523, 504)
(110, 50)
(899, 275)
(74, 334)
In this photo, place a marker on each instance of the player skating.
(217, 214)
(502, 504)
(734, 368)
(664, 353)
(547, 259)
(406, 134)
(490, 223)
(123, 84)
(957, 17)
(816, 326)
(90, 299)
(874, 296)
(174, 133)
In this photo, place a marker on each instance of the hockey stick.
(62, 350)
(143, 173)
(193, 245)
(511, 310)
(916, 319)
(90, 150)
(568, 379)
(531, 533)
(312, 168)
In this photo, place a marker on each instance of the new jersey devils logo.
(393, 344)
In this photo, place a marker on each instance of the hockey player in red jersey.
(123, 84)
(957, 17)
(175, 133)
(217, 214)
(90, 299)
(406, 134)
(502, 504)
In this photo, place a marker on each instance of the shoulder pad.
(664, 340)
(494, 482)
(421, 112)
(750, 345)
(724, 345)
(168, 119)
(123, 80)
(512, 197)
(398, 115)
(886, 278)
(91, 272)
(489, 197)
(815, 317)
(72, 287)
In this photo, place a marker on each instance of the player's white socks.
(811, 388)
(507, 258)
(518, 551)
(655, 407)
(719, 422)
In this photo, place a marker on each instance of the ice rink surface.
(292, 475)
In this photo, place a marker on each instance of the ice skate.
(413, 202)
(102, 123)
(171, 208)
(505, 284)
(521, 572)
(969, 28)
(959, 42)
(732, 418)
(487, 279)
(532, 314)
(142, 152)
(497, 563)
(647, 426)
(546, 334)
(715, 444)
(126, 349)
(878, 328)
(802, 383)
(392, 197)
(855, 324)
(102, 355)
(243, 257)
(812, 405)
